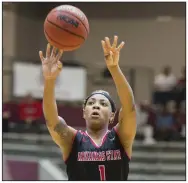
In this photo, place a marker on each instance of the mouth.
(95, 114)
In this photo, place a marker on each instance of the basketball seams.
(50, 22)
(60, 43)
(74, 17)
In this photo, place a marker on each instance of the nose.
(96, 107)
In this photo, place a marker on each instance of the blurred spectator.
(164, 84)
(180, 90)
(30, 112)
(143, 127)
(171, 107)
(181, 119)
(6, 117)
(166, 125)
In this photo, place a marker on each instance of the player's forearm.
(49, 103)
(123, 88)
(127, 119)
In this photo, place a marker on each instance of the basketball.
(66, 27)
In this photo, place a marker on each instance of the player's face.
(98, 112)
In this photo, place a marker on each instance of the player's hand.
(51, 65)
(111, 52)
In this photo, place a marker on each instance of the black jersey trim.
(115, 130)
(65, 160)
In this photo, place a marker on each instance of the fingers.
(104, 47)
(109, 58)
(48, 50)
(115, 42)
(59, 65)
(107, 40)
(111, 55)
(54, 50)
(41, 56)
(121, 46)
(60, 53)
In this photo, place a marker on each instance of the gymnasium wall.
(148, 43)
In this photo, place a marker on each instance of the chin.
(95, 123)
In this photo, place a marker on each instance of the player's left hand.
(111, 52)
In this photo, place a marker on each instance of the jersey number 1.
(102, 172)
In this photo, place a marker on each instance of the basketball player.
(97, 153)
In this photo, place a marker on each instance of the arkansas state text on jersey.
(99, 156)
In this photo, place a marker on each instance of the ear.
(113, 114)
(83, 113)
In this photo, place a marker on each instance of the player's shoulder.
(112, 133)
(80, 134)
(112, 130)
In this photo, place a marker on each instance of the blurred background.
(153, 61)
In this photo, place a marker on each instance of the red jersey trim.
(93, 142)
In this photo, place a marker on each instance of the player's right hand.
(51, 65)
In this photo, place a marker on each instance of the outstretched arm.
(61, 133)
(126, 128)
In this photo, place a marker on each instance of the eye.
(104, 104)
(90, 103)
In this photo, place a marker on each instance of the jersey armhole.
(116, 132)
(72, 146)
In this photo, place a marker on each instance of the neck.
(97, 134)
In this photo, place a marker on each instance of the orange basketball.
(66, 27)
